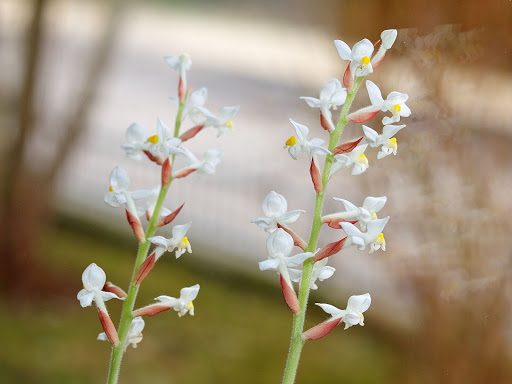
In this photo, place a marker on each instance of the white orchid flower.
(160, 144)
(332, 95)
(211, 159)
(184, 304)
(93, 279)
(195, 102)
(359, 56)
(321, 271)
(275, 209)
(386, 140)
(301, 144)
(223, 121)
(119, 195)
(180, 63)
(353, 314)
(372, 237)
(279, 247)
(355, 159)
(387, 39)
(134, 336)
(394, 103)
(364, 214)
(179, 241)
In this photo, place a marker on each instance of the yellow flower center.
(362, 159)
(392, 143)
(365, 60)
(229, 123)
(190, 306)
(374, 216)
(380, 239)
(397, 108)
(184, 243)
(153, 139)
(110, 189)
(292, 140)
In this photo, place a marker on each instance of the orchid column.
(360, 225)
(146, 213)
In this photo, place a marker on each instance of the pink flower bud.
(108, 327)
(153, 158)
(289, 295)
(171, 216)
(136, 225)
(347, 147)
(330, 249)
(362, 116)
(184, 172)
(187, 135)
(315, 176)
(166, 171)
(145, 268)
(325, 123)
(320, 330)
(109, 287)
(297, 240)
(151, 310)
(348, 79)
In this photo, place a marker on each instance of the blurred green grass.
(239, 334)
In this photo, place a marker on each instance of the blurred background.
(75, 74)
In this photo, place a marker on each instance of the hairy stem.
(142, 252)
(296, 340)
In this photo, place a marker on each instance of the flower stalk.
(142, 252)
(296, 339)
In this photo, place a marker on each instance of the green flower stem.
(142, 252)
(296, 340)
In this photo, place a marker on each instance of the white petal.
(374, 93)
(388, 38)
(391, 130)
(290, 217)
(267, 264)
(179, 231)
(361, 49)
(343, 49)
(301, 130)
(279, 243)
(159, 241)
(106, 296)
(312, 101)
(350, 229)
(347, 204)
(375, 227)
(297, 260)
(359, 303)
(102, 336)
(119, 179)
(189, 293)
(374, 204)
(85, 297)
(93, 278)
(326, 272)
(331, 309)
(274, 204)
(371, 135)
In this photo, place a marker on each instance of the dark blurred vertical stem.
(14, 170)
(77, 122)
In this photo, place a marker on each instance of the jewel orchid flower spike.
(146, 213)
(353, 225)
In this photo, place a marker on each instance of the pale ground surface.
(265, 68)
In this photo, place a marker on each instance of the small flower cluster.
(360, 224)
(146, 213)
